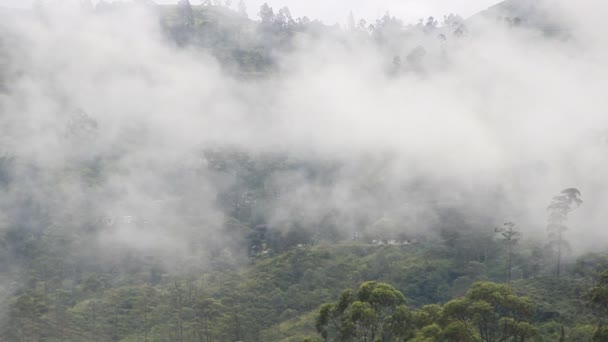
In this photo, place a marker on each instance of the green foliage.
(264, 278)
(375, 311)
(274, 298)
(590, 266)
(598, 299)
(270, 291)
(491, 312)
(600, 335)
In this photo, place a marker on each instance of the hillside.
(186, 173)
(534, 14)
(272, 299)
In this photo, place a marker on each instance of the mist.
(109, 131)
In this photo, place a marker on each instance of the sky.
(337, 11)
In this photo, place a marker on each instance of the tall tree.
(185, 13)
(510, 238)
(266, 14)
(206, 310)
(183, 30)
(284, 19)
(559, 208)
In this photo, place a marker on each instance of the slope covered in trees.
(186, 173)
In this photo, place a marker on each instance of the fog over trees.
(186, 172)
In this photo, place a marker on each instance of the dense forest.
(187, 173)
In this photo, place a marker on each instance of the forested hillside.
(187, 173)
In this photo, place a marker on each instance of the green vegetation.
(489, 312)
(262, 266)
(375, 311)
(278, 298)
(262, 282)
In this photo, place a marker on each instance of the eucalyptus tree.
(489, 312)
(559, 208)
(376, 312)
(266, 14)
(510, 237)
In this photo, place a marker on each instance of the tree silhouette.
(561, 205)
(510, 238)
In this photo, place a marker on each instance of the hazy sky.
(337, 10)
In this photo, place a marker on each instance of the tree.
(490, 312)
(452, 21)
(266, 14)
(183, 30)
(362, 25)
(185, 13)
(562, 334)
(601, 335)
(206, 311)
(597, 297)
(377, 311)
(27, 317)
(591, 265)
(284, 19)
(145, 304)
(510, 238)
(534, 261)
(431, 24)
(560, 207)
(427, 321)
(386, 28)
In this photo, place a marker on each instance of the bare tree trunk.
(237, 326)
(94, 323)
(559, 252)
(207, 336)
(509, 263)
(145, 316)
